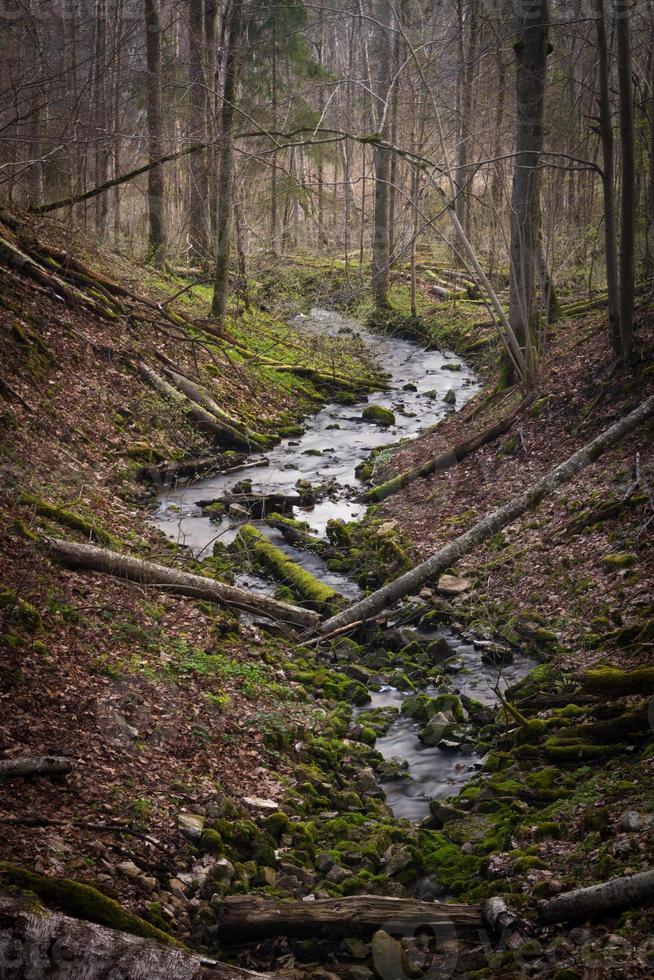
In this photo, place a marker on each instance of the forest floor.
(169, 706)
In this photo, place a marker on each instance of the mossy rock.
(82, 901)
(378, 415)
(290, 431)
(619, 560)
(277, 824)
(211, 841)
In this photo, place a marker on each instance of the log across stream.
(334, 442)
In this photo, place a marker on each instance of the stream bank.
(326, 455)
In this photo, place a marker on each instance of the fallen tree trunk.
(250, 917)
(38, 942)
(186, 469)
(261, 504)
(320, 596)
(196, 393)
(445, 460)
(210, 423)
(411, 581)
(617, 682)
(40, 765)
(597, 900)
(171, 580)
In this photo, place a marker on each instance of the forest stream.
(336, 439)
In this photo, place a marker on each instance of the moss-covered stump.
(257, 547)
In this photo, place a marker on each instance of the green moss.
(82, 902)
(613, 680)
(548, 829)
(617, 561)
(316, 594)
(378, 415)
(528, 863)
(276, 824)
(21, 611)
(211, 841)
(67, 518)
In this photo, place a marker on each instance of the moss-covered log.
(316, 594)
(297, 533)
(218, 429)
(66, 518)
(196, 393)
(41, 943)
(612, 681)
(443, 462)
(411, 581)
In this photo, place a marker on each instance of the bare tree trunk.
(411, 581)
(531, 52)
(467, 69)
(100, 113)
(597, 900)
(156, 203)
(628, 219)
(226, 172)
(382, 161)
(273, 164)
(115, 111)
(608, 179)
(197, 121)
(41, 943)
(249, 917)
(172, 580)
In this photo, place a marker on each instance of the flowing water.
(335, 441)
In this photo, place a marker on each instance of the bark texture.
(382, 162)
(179, 583)
(411, 581)
(249, 917)
(41, 765)
(597, 900)
(35, 943)
(531, 49)
(226, 170)
(628, 213)
(608, 177)
(156, 189)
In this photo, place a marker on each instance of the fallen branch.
(40, 765)
(597, 900)
(166, 579)
(249, 917)
(446, 459)
(59, 946)
(411, 581)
